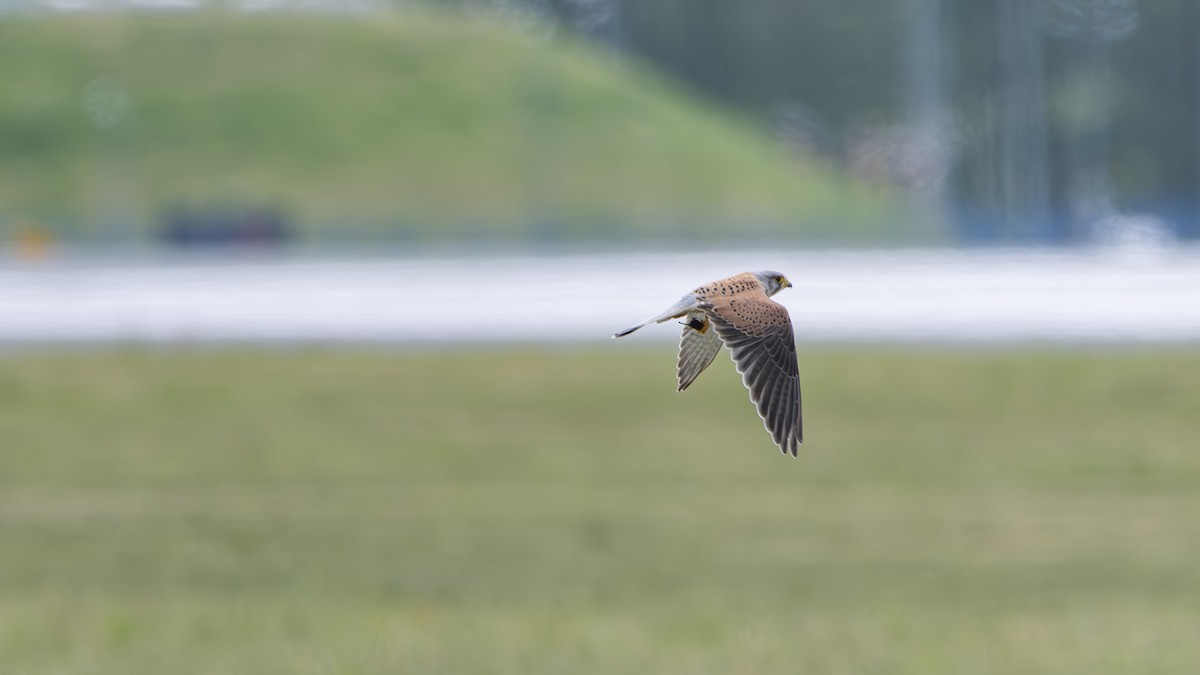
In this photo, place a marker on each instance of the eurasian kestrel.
(739, 313)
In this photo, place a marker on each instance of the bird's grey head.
(773, 281)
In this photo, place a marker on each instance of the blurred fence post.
(1023, 162)
(927, 138)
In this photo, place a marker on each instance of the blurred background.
(304, 336)
(187, 122)
(304, 148)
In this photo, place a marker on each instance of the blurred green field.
(563, 510)
(417, 124)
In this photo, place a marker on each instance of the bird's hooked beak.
(786, 283)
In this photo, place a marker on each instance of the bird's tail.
(686, 304)
(627, 331)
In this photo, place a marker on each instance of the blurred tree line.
(1015, 120)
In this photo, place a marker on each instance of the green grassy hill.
(421, 122)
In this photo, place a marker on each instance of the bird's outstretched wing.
(698, 346)
(758, 333)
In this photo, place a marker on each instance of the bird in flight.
(739, 313)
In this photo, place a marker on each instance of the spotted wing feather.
(698, 346)
(758, 333)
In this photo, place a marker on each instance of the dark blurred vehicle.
(225, 226)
